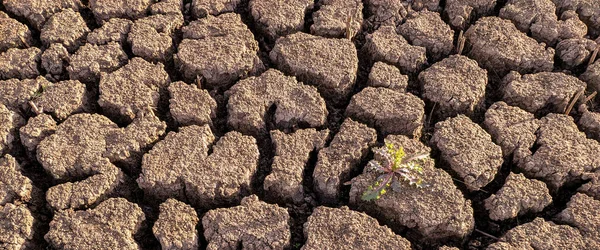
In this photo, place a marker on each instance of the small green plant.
(394, 166)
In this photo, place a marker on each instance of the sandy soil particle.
(176, 226)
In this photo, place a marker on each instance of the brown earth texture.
(250, 124)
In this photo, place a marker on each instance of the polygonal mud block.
(219, 50)
(388, 46)
(456, 85)
(296, 103)
(16, 227)
(115, 30)
(579, 215)
(15, 34)
(292, 153)
(37, 129)
(541, 92)
(592, 187)
(386, 12)
(10, 121)
(328, 63)
(563, 154)
(588, 12)
(427, 29)
(413, 208)
(15, 94)
(90, 61)
(130, 9)
(468, 150)
(38, 12)
(166, 7)
(462, 12)
(176, 226)
(360, 231)
(20, 63)
(336, 162)
(67, 28)
(252, 225)
(589, 122)
(276, 18)
(498, 46)
(110, 225)
(390, 112)
(132, 88)
(55, 58)
(387, 76)
(14, 187)
(203, 8)
(574, 52)
(331, 20)
(63, 99)
(518, 196)
(150, 37)
(190, 105)
(592, 76)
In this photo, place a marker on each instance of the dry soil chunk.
(10, 121)
(512, 128)
(580, 214)
(14, 33)
(360, 231)
(296, 103)
(336, 162)
(328, 63)
(436, 212)
(427, 29)
(589, 122)
(592, 76)
(461, 12)
(150, 37)
(63, 99)
(575, 51)
(592, 187)
(55, 58)
(456, 85)
(221, 50)
(252, 225)
(500, 47)
(176, 226)
(564, 153)
(292, 152)
(16, 227)
(167, 7)
(115, 30)
(546, 91)
(518, 196)
(386, 12)
(388, 76)
(67, 28)
(276, 18)
(111, 225)
(38, 11)
(390, 112)
(387, 46)
(588, 10)
(15, 94)
(541, 234)
(87, 64)
(20, 63)
(331, 20)
(468, 150)
(202, 8)
(190, 105)
(130, 9)
(133, 87)
(14, 187)
(36, 130)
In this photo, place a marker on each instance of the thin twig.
(35, 109)
(460, 44)
(590, 97)
(431, 114)
(488, 235)
(481, 189)
(572, 104)
(593, 57)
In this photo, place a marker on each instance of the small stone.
(20, 63)
(15, 34)
(16, 227)
(592, 76)
(90, 61)
(38, 12)
(360, 231)
(37, 129)
(276, 18)
(330, 64)
(63, 99)
(110, 225)
(427, 29)
(115, 30)
(461, 12)
(67, 28)
(203, 8)
(130, 9)
(252, 225)
(456, 85)
(296, 103)
(387, 46)
(517, 197)
(387, 76)
(468, 150)
(14, 186)
(333, 16)
(190, 105)
(10, 122)
(574, 52)
(390, 112)
(55, 58)
(176, 226)
(343, 156)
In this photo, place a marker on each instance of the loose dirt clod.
(275, 18)
(14, 187)
(111, 225)
(498, 46)
(336, 162)
(55, 59)
(469, 151)
(388, 76)
(427, 29)
(252, 225)
(20, 63)
(130, 9)
(38, 12)
(389, 111)
(437, 212)
(115, 30)
(326, 225)
(575, 51)
(518, 196)
(589, 122)
(292, 152)
(336, 17)
(151, 37)
(67, 28)
(190, 105)
(457, 86)
(330, 64)
(296, 103)
(16, 227)
(579, 214)
(462, 12)
(588, 10)
(63, 99)
(15, 34)
(176, 226)
(387, 46)
(37, 129)
(386, 12)
(90, 61)
(203, 8)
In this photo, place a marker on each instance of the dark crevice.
(266, 155)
